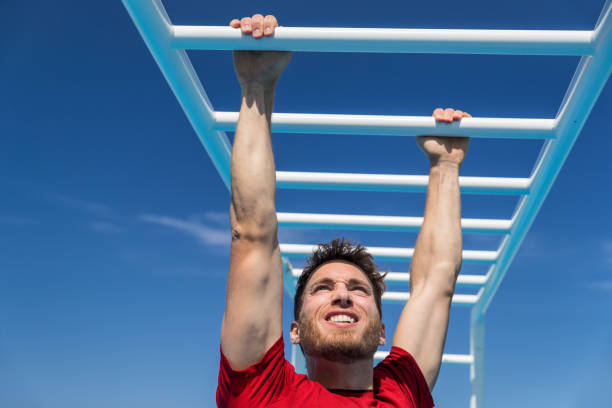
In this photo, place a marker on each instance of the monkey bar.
(168, 43)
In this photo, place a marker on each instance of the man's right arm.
(253, 311)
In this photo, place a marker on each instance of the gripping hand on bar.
(259, 67)
(445, 149)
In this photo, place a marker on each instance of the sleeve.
(258, 385)
(400, 380)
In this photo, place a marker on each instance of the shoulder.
(260, 383)
(399, 376)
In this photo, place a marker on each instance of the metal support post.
(477, 367)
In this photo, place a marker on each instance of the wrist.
(445, 166)
(261, 97)
(257, 87)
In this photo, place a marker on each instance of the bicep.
(421, 330)
(253, 308)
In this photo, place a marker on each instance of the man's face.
(339, 319)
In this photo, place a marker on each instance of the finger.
(269, 24)
(438, 114)
(245, 25)
(235, 23)
(258, 25)
(448, 114)
(466, 115)
(441, 116)
(457, 115)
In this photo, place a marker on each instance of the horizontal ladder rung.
(383, 223)
(389, 40)
(402, 297)
(384, 125)
(472, 280)
(446, 358)
(393, 254)
(393, 182)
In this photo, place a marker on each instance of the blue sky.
(114, 243)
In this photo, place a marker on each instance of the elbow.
(257, 228)
(441, 279)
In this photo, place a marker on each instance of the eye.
(320, 287)
(362, 289)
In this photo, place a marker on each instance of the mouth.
(342, 319)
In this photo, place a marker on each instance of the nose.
(342, 296)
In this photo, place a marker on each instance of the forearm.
(255, 274)
(437, 255)
(254, 302)
(436, 261)
(253, 173)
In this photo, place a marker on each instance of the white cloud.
(212, 228)
(602, 285)
(218, 217)
(204, 234)
(104, 227)
(91, 207)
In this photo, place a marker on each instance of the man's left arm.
(423, 324)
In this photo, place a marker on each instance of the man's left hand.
(443, 149)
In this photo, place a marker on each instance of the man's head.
(338, 304)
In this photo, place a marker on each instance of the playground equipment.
(168, 43)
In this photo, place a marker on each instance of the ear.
(294, 333)
(383, 336)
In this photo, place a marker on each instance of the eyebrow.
(352, 281)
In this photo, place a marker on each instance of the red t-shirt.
(273, 383)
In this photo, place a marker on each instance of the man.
(337, 305)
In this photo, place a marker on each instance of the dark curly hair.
(342, 250)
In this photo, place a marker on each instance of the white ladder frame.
(168, 43)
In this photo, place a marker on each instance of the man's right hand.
(259, 67)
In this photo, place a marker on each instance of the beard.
(341, 345)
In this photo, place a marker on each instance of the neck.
(357, 375)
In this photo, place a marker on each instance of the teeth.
(342, 319)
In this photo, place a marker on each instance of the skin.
(253, 307)
(339, 287)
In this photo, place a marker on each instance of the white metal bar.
(385, 125)
(383, 223)
(386, 253)
(588, 82)
(402, 297)
(155, 27)
(477, 368)
(392, 182)
(390, 40)
(446, 358)
(464, 280)
(289, 281)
